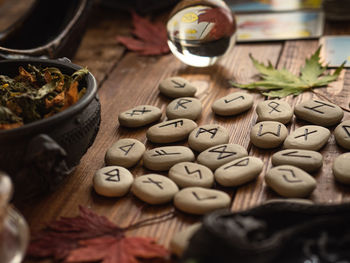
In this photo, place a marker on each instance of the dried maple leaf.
(90, 237)
(151, 38)
(117, 249)
(224, 24)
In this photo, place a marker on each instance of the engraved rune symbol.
(198, 171)
(211, 131)
(291, 172)
(162, 153)
(243, 162)
(274, 106)
(294, 154)
(240, 97)
(157, 183)
(175, 123)
(320, 105)
(203, 198)
(277, 134)
(127, 148)
(222, 153)
(138, 112)
(346, 129)
(181, 102)
(178, 85)
(306, 133)
(113, 175)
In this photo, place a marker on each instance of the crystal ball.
(200, 32)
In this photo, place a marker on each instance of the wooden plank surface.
(99, 50)
(134, 82)
(127, 80)
(327, 190)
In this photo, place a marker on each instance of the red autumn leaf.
(224, 24)
(151, 38)
(117, 250)
(90, 237)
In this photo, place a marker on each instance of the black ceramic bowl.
(50, 28)
(39, 155)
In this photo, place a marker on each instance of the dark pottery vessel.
(39, 155)
(50, 28)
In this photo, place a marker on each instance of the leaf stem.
(152, 220)
(327, 99)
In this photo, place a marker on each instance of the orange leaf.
(72, 95)
(59, 99)
(47, 77)
(8, 126)
(26, 75)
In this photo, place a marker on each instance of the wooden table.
(126, 80)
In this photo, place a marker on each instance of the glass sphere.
(201, 31)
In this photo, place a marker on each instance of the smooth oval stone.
(233, 104)
(139, 116)
(342, 134)
(309, 161)
(200, 201)
(290, 181)
(112, 181)
(125, 152)
(170, 131)
(162, 158)
(218, 155)
(179, 242)
(239, 171)
(154, 189)
(341, 168)
(187, 174)
(274, 110)
(319, 112)
(176, 87)
(268, 134)
(309, 137)
(206, 136)
(187, 107)
(290, 200)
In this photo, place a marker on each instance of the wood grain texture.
(133, 82)
(128, 80)
(327, 191)
(99, 50)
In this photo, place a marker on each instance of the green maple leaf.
(281, 83)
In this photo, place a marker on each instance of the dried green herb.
(37, 93)
(281, 83)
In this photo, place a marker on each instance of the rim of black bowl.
(91, 90)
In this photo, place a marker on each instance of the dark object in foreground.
(50, 28)
(40, 154)
(275, 232)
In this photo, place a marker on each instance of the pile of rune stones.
(189, 183)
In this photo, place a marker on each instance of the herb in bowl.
(37, 93)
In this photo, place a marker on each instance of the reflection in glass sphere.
(201, 31)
